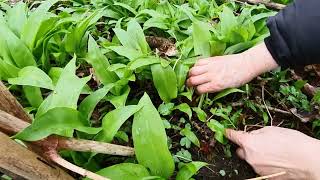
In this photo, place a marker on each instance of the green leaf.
(112, 121)
(165, 109)
(191, 136)
(189, 169)
(74, 39)
(17, 50)
(90, 102)
(201, 37)
(67, 90)
(181, 71)
(34, 23)
(127, 52)
(54, 121)
(184, 107)
(150, 140)
(227, 20)
(226, 92)
(165, 81)
(316, 97)
(126, 39)
(136, 32)
(124, 171)
(219, 129)
(7, 70)
(100, 63)
(119, 100)
(202, 116)
(32, 76)
(33, 95)
(140, 62)
(16, 17)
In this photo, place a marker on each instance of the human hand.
(272, 150)
(221, 72)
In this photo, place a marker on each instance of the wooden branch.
(307, 88)
(9, 104)
(12, 125)
(235, 104)
(20, 163)
(94, 146)
(269, 4)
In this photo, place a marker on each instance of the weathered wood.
(20, 163)
(12, 125)
(94, 146)
(9, 104)
(269, 4)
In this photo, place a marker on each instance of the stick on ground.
(20, 163)
(271, 5)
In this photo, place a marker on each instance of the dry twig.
(271, 5)
(268, 176)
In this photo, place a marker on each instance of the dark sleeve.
(295, 34)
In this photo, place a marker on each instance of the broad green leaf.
(181, 71)
(32, 76)
(124, 171)
(157, 22)
(136, 32)
(165, 108)
(113, 120)
(8, 70)
(217, 48)
(188, 170)
(191, 136)
(119, 100)
(127, 52)
(165, 81)
(33, 95)
(201, 37)
(34, 22)
(202, 116)
(226, 92)
(227, 20)
(74, 39)
(90, 102)
(54, 121)
(184, 107)
(140, 62)
(219, 129)
(100, 63)
(19, 52)
(126, 39)
(16, 17)
(67, 90)
(54, 74)
(150, 140)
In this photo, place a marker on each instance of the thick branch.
(20, 163)
(9, 104)
(94, 146)
(307, 88)
(12, 125)
(271, 5)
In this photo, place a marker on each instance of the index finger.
(236, 137)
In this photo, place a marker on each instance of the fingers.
(236, 137)
(197, 70)
(202, 62)
(240, 152)
(207, 87)
(196, 80)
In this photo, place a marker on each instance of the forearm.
(259, 59)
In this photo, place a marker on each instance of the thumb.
(236, 137)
